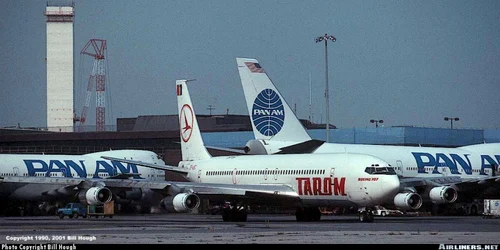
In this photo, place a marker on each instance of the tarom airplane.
(298, 181)
(33, 179)
(438, 175)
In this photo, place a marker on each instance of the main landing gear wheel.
(366, 216)
(236, 214)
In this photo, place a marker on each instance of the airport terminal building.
(160, 134)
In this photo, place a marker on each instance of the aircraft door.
(400, 168)
(265, 174)
(152, 174)
(276, 174)
(199, 175)
(235, 171)
(15, 170)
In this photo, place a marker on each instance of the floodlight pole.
(376, 122)
(451, 119)
(325, 38)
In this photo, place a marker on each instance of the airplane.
(437, 175)
(31, 180)
(297, 181)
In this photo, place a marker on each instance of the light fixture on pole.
(451, 119)
(376, 122)
(325, 38)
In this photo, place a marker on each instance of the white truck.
(491, 208)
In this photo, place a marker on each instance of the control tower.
(60, 68)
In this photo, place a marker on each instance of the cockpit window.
(380, 170)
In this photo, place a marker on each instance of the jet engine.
(443, 194)
(255, 147)
(95, 196)
(185, 202)
(408, 200)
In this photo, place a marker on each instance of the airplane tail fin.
(192, 146)
(272, 118)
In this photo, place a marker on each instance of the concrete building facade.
(59, 62)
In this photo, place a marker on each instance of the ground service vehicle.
(382, 211)
(72, 210)
(491, 208)
(106, 210)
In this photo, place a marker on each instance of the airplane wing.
(57, 185)
(488, 187)
(147, 164)
(252, 191)
(276, 194)
(450, 188)
(124, 176)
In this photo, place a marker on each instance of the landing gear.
(308, 214)
(365, 215)
(236, 213)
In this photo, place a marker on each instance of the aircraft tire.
(369, 216)
(300, 214)
(363, 216)
(473, 210)
(226, 214)
(315, 214)
(241, 216)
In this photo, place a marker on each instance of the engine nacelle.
(255, 147)
(95, 196)
(444, 194)
(266, 147)
(406, 201)
(185, 202)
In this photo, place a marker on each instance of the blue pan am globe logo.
(268, 114)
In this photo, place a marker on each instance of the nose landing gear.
(365, 215)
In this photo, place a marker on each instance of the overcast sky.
(405, 62)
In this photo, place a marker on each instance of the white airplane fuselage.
(333, 180)
(464, 162)
(43, 173)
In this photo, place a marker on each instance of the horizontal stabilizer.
(302, 148)
(231, 150)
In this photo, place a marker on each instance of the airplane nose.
(391, 184)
